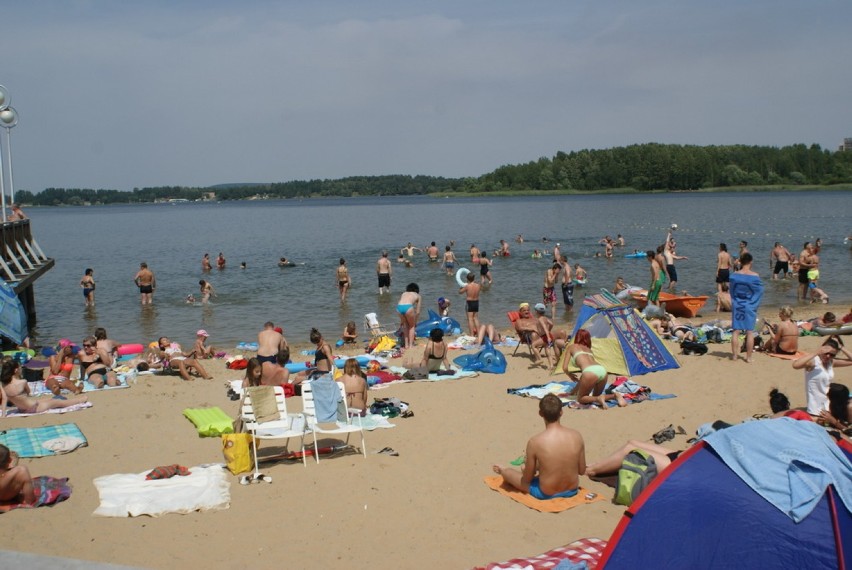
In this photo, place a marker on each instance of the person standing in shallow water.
(146, 282)
(88, 285)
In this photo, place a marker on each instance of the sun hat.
(540, 307)
(202, 332)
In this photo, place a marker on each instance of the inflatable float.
(461, 276)
(626, 294)
(127, 349)
(637, 255)
(829, 331)
(488, 359)
(363, 360)
(435, 321)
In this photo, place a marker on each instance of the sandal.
(664, 435)
(407, 414)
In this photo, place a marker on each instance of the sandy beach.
(426, 507)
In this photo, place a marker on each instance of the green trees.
(644, 167)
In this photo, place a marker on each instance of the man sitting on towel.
(555, 458)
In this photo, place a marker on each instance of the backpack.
(637, 471)
(691, 347)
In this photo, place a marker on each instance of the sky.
(131, 94)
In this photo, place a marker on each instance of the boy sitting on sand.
(555, 458)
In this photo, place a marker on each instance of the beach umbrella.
(13, 317)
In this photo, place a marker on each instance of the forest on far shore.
(641, 167)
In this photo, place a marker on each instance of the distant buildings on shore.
(846, 146)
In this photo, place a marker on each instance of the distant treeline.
(641, 167)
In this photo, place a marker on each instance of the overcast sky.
(124, 94)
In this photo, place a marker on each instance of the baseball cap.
(279, 330)
(540, 307)
(201, 332)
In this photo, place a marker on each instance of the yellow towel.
(263, 403)
(548, 506)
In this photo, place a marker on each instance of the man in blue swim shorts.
(555, 458)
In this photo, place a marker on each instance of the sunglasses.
(88, 345)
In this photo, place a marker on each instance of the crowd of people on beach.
(555, 458)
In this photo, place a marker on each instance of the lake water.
(172, 238)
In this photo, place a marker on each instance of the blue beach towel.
(789, 463)
(746, 293)
(326, 397)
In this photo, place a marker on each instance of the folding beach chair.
(281, 426)
(524, 338)
(325, 412)
(376, 329)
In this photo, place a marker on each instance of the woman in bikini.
(16, 391)
(435, 352)
(16, 483)
(322, 361)
(95, 364)
(343, 282)
(592, 379)
(88, 285)
(355, 385)
(61, 365)
(785, 335)
(408, 308)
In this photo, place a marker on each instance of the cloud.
(120, 95)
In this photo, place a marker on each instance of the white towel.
(130, 494)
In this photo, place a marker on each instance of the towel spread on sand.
(586, 550)
(547, 506)
(746, 293)
(798, 354)
(48, 492)
(562, 390)
(130, 494)
(14, 413)
(43, 441)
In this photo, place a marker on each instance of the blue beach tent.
(622, 341)
(699, 513)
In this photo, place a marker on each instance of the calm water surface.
(172, 238)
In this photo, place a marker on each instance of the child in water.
(444, 307)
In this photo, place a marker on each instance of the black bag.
(690, 347)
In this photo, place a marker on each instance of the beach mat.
(210, 422)
(30, 442)
(588, 550)
(562, 389)
(548, 506)
(15, 413)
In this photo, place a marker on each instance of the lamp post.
(4, 106)
(8, 120)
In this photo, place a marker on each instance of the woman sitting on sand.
(785, 335)
(61, 366)
(435, 352)
(322, 359)
(95, 364)
(16, 390)
(174, 358)
(355, 385)
(592, 379)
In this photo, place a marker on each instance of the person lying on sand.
(663, 457)
(16, 390)
(555, 458)
(16, 483)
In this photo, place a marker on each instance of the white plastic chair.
(285, 427)
(350, 425)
